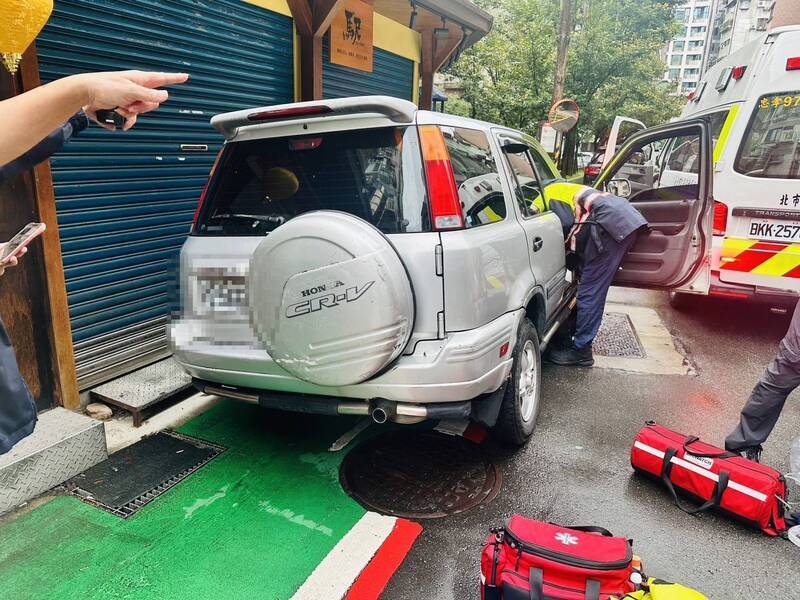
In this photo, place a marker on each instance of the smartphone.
(19, 241)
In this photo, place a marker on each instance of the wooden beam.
(427, 70)
(445, 49)
(310, 68)
(324, 13)
(58, 329)
(303, 18)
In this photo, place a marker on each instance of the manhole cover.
(618, 338)
(419, 474)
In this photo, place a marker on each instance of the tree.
(613, 64)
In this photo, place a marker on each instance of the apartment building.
(734, 23)
(684, 54)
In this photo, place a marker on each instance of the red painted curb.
(373, 579)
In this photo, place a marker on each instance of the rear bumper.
(461, 367)
(736, 291)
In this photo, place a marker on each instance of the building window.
(678, 45)
(698, 30)
(701, 12)
(675, 60)
(674, 74)
(696, 44)
(693, 59)
(681, 15)
(688, 86)
(691, 72)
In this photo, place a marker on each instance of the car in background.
(593, 167)
(359, 256)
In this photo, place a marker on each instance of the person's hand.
(13, 261)
(129, 92)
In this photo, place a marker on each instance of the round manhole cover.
(419, 474)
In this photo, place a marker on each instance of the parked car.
(360, 256)
(593, 167)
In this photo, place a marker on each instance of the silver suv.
(360, 256)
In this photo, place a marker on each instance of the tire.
(517, 418)
(679, 301)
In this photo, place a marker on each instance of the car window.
(663, 169)
(375, 174)
(528, 189)
(543, 168)
(771, 146)
(476, 174)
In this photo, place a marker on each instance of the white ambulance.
(751, 101)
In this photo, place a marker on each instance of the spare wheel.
(330, 298)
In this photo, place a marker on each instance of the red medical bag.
(532, 560)
(744, 489)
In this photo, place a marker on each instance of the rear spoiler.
(394, 109)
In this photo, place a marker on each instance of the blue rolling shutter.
(125, 200)
(392, 75)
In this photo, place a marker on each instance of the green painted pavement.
(252, 523)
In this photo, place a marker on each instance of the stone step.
(63, 444)
(143, 388)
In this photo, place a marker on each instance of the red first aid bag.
(533, 560)
(744, 489)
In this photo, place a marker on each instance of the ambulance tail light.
(203, 194)
(720, 218)
(738, 72)
(793, 64)
(442, 190)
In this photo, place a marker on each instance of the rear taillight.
(442, 190)
(204, 192)
(720, 218)
(738, 72)
(592, 171)
(793, 64)
(289, 113)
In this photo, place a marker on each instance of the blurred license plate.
(771, 229)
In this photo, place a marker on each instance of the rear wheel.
(679, 301)
(521, 400)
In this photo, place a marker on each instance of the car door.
(677, 203)
(543, 230)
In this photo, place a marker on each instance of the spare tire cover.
(330, 298)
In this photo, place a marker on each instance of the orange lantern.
(20, 23)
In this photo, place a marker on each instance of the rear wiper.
(272, 219)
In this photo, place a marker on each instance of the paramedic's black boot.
(753, 453)
(572, 356)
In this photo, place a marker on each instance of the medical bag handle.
(588, 529)
(716, 497)
(536, 583)
(692, 439)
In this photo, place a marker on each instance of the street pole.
(564, 32)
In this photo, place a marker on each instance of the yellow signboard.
(351, 36)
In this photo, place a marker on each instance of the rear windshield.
(375, 174)
(771, 146)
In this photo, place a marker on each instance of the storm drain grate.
(137, 475)
(419, 474)
(617, 338)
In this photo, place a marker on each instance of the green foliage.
(613, 63)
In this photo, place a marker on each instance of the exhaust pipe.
(383, 411)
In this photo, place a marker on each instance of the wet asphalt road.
(576, 468)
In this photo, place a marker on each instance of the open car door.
(666, 173)
(621, 130)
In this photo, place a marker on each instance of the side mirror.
(619, 187)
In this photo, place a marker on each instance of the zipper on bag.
(568, 559)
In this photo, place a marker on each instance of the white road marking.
(343, 564)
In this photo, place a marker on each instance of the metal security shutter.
(392, 75)
(125, 200)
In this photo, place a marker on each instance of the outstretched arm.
(28, 118)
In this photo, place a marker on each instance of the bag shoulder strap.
(714, 501)
(592, 589)
(590, 529)
(536, 582)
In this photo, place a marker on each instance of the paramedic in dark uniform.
(764, 406)
(606, 227)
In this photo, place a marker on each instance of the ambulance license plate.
(772, 229)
